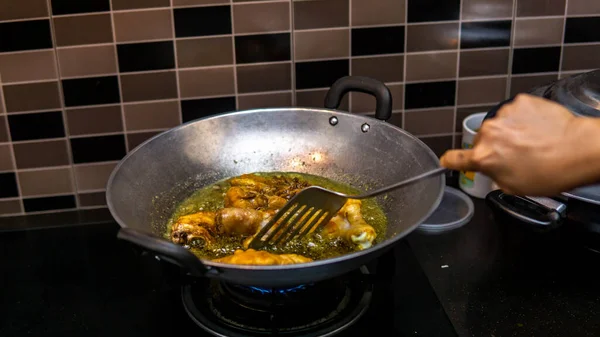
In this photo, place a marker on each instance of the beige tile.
(581, 57)
(206, 82)
(198, 2)
(151, 86)
(436, 66)
(154, 115)
(486, 9)
(533, 32)
(3, 129)
(439, 145)
(480, 91)
(424, 122)
(6, 161)
(316, 99)
(83, 29)
(143, 25)
(10, 207)
(272, 77)
(41, 154)
(86, 61)
(22, 9)
(321, 44)
(92, 199)
(87, 121)
(377, 12)
(28, 66)
(277, 100)
(50, 181)
(526, 83)
(540, 7)
(484, 62)
(135, 139)
(93, 177)
(437, 36)
(18, 97)
(130, 4)
(383, 68)
(204, 52)
(364, 103)
(583, 7)
(321, 14)
(261, 17)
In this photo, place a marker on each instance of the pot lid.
(455, 210)
(579, 93)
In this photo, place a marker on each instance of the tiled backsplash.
(83, 82)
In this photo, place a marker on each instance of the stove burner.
(317, 309)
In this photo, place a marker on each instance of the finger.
(458, 160)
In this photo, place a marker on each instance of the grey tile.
(204, 52)
(321, 44)
(143, 25)
(383, 68)
(533, 32)
(583, 7)
(93, 120)
(22, 9)
(484, 62)
(83, 29)
(206, 82)
(41, 154)
(261, 17)
(18, 96)
(28, 66)
(149, 116)
(87, 61)
(480, 91)
(149, 86)
(420, 67)
(321, 14)
(424, 122)
(93, 177)
(377, 12)
(581, 57)
(439, 36)
(47, 181)
(540, 7)
(272, 77)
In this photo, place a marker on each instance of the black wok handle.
(383, 96)
(544, 213)
(167, 251)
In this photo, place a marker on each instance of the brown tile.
(22, 9)
(486, 9)
(321, 44)
(93, 177)
(129, 4)
(1, 103)
(146, 87)
(51, 181)
(526, 83)
(206, 82)
(198, 2)
(363, 103)
(83, 29)
(533, 32)
(383, 68)
(316, 99)
(581, 57)
(437, 36)
(41, 154)
(579, 7)
(425, 122)
(28, 66)
(540, 7)
(420, 67)
(278, 100)
(396, 119)
(261, 17)
(270, 77)
(320, 14)
(18, 97)
(6, 161)
(483, 62)
(85, 61)
(480, 91)
(3, 128)
(135, 139)
(92, 199)
(462, 113)
(377, 12)
(10, 207)
(439, 145)
(143, 25)
(94, 120)
(144, 116)
(204, 52)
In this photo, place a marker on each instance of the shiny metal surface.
(150, 181)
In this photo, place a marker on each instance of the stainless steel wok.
(149, 182)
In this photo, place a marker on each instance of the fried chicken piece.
(193, 227)
(240, 221)
(349, 225)
(245, 197)
(262, 258)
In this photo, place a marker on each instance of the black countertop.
(492, 277)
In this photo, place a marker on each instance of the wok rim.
(338, 259)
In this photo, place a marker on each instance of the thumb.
(458, 160)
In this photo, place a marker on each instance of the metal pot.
(150, 181)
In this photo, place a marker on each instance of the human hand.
(533, 147)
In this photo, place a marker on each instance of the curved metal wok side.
(150, 181)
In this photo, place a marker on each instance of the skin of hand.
(534, 147)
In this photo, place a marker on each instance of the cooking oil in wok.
(212, 198)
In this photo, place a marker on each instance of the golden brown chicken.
(349, 225)
(262, 258)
